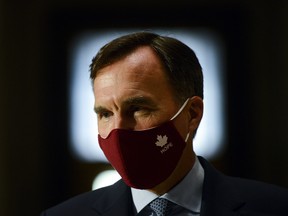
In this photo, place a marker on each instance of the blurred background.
(39, 44)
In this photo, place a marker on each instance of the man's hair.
(183, 70)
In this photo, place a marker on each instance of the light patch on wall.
(83, 129)
(105, 178)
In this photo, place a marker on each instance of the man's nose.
(123, 122)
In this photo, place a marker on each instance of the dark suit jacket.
(222, 196)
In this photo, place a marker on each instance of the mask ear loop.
(187, 136)
(179, 111)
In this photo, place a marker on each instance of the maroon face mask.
(144, 158)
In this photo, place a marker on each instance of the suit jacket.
(222, 196)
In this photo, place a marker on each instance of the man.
(149, 102)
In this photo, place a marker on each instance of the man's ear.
(196, 108)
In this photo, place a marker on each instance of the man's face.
(134, 94)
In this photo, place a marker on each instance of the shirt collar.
(189, 199)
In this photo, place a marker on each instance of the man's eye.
(138, 110)
(104, 115)
(135, 108)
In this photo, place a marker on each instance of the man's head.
(182, 68)
(138, 87)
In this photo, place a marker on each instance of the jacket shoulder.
(260, 192)
(244, 195)
(83, 204)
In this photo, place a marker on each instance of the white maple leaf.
(162, 140)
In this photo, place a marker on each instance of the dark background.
(36, 167)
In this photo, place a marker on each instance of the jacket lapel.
(219, 197)
(116, 201)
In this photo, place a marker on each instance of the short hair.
(182, 68)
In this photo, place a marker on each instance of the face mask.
(145, 158)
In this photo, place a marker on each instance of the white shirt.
(187, 193)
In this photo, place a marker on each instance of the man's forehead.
(130, 100)
(134, 68)
(138, 57)
(140, 78)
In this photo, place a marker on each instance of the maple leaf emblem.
(161, 140)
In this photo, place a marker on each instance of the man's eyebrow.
(99, 109)
(139, 100)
